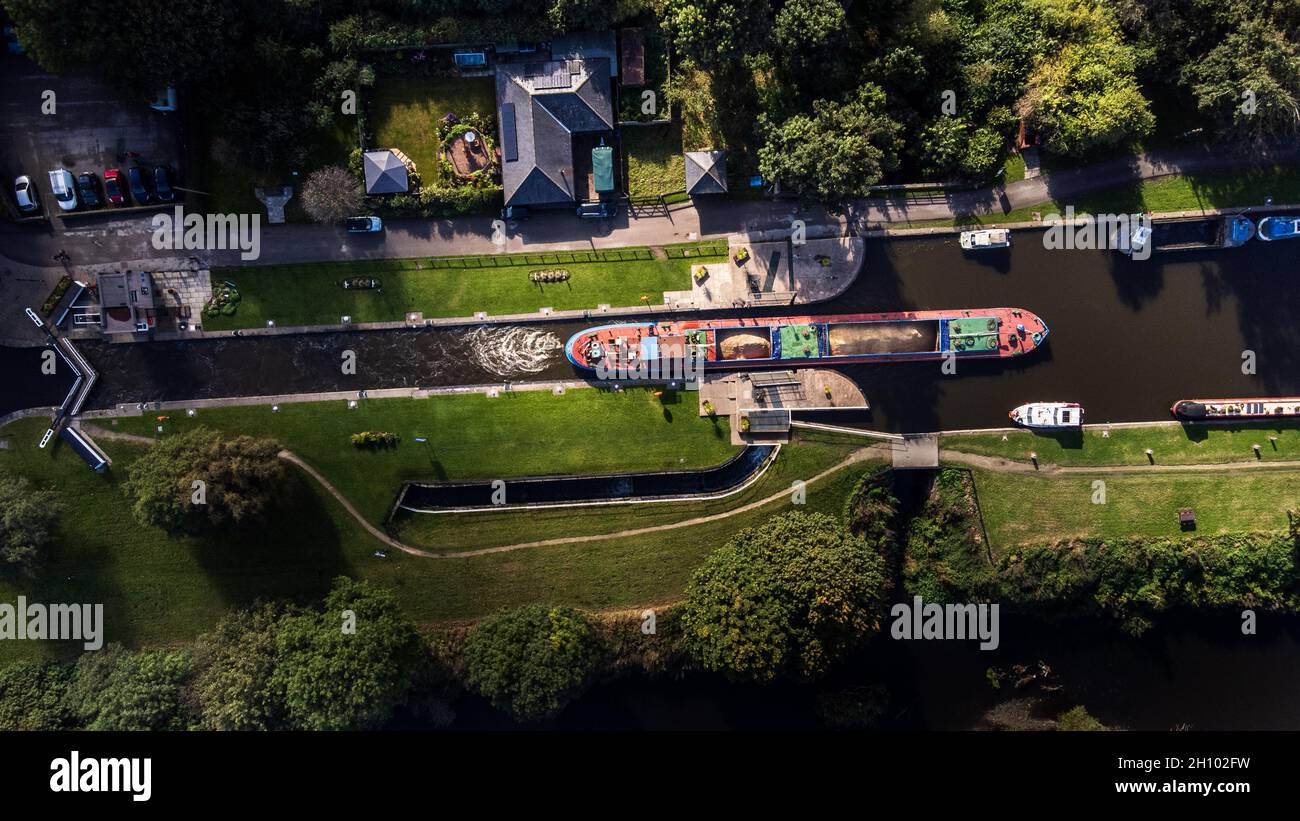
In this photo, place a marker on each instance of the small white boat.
(1048, 415)
(984, 240)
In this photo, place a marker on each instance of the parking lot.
(91, 129)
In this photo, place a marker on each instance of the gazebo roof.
(706, 172)
(385, 173)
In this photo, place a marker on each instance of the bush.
(375, 439)
(531, 661)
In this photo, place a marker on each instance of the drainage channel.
(565, 491)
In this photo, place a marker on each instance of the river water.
(1128, 338)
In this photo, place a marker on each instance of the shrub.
(375, 439)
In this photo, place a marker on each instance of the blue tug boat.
(1271, 228)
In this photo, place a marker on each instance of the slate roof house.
(552, 115)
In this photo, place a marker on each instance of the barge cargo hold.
(806, 341)
(1227, 410)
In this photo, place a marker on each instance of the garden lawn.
(158, 590)
(313, 294)
(1172, 445)
(655, 165)
(1020, 509)
(808, 455)
(522, 433)
(405, 113)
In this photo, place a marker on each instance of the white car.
(364, 225)
(64, 188)
(25, 193)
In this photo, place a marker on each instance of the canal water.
(1128, 338)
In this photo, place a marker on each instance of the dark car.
(113, 186)
(597, 210)
(136, 178)
(88, 188)
(162, 183)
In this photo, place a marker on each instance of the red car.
(113, 186)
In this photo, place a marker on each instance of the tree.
(1078, 719)
(63, 37)
(239, 477)
(236, 661)
(347, 666)
(1086, 96)
(791, 596)
(715, 31)
(808, 25)
(331, 194)
(1250, 82)
(32, 696)
(836, 154)
(27, 521)
(529, 662)
(115, 689)
(573, 15)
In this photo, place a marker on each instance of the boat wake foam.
(514, 351)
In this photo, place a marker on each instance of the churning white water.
(512, 351)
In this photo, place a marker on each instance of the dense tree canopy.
(236, 661)
(32, 696)
(837, 153)
(1250, 83)
(789, 597)
(713, 31)
(347, 666)
(531, 661)
(115, 689)
(239, 477)
(27, 521)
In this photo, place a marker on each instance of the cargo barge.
(1188, 234)
(806, 341)
(1219, 410)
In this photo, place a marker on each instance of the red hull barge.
(807, 341)
(1221, 410)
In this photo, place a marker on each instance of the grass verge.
(458, 286)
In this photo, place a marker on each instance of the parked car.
(597, 210)
(88, 188)
(514, 212)
(136, 178)
(162, 183)
(63, 188)
(364, 225)
(29, 199)
(113, 186)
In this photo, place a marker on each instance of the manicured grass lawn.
(1021, 509)
(523, 433)
(458, 286)
(158, 590)
(810, 455)
(405, 114)
(1127, 446)
(655, 165)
